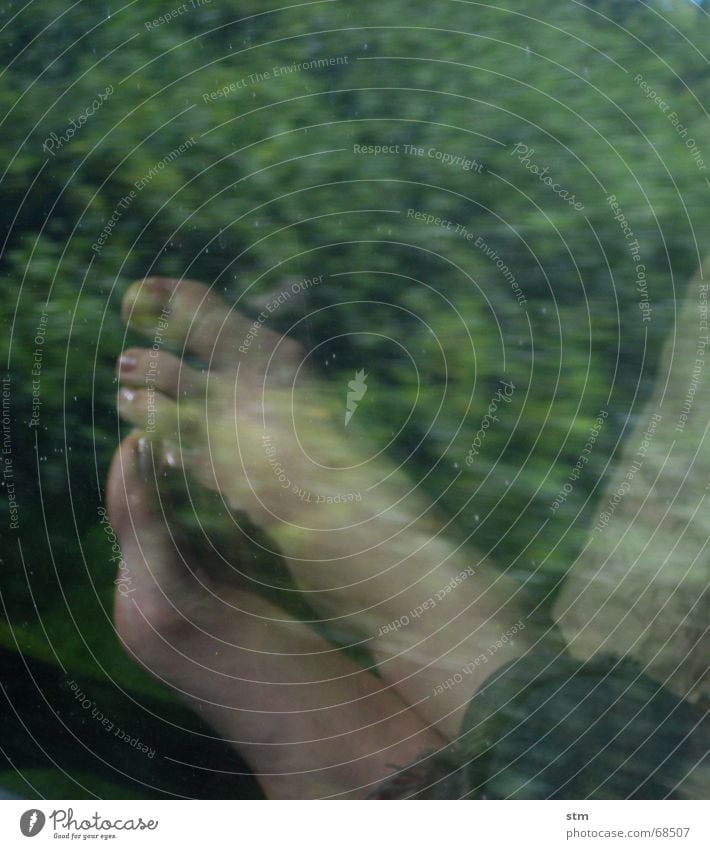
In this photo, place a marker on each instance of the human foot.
(309, 721)
(365, 546)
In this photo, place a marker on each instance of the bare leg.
(640, 585)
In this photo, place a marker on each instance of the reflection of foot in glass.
(640, 587)
(261, 429)
(309, 721)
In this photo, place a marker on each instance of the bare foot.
(257, 426)
(310, 722)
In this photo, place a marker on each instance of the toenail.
(152, 299)
(170, 458)
(158, 292)
(127, 362)
(146, 301)
(142, 449)
(163, 285)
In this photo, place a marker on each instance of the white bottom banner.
(347, 825)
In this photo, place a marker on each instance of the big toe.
(153, 575)
(190, 317)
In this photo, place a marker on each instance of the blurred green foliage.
(272, 188)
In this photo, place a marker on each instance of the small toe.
(159, 370)
(149, 410)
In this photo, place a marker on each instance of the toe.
(149, 410)
(152, 570)
(144, 367)
(185, 314)
(175, 422)
(188, 316)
